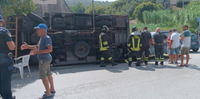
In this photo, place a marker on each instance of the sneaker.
(176, 62)
(156, 63)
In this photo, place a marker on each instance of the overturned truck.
(75, 36)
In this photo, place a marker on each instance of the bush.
(149, 6)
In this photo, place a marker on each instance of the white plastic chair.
(21, 65)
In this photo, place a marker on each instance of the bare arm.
(48, 50)
(11, 45)
(171, 44)
(26, 46)
(182, 37)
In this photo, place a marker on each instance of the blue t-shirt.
(43, 43)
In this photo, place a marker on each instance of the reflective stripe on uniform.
(105, 43)
(156, 59)
(128, 44)
(101, 45)
(130, 59)
(102, 58)
(133, 43)
(162, 59)
(138, 58)
(110, 58)
(146, 58)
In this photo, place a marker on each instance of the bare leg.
(171, 57)
(176, 57)
(46, 85)
(50, 78)
(182, 58)
(187, 59)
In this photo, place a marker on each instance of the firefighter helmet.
(105, 29)
(134, 29)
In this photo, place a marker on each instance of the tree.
(16, 7)
(148, 6)
(97, 9)
(78, 8)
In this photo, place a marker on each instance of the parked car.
(194, 43)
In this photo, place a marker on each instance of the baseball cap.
(41, 26)
(1, 18)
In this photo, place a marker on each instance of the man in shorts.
(168, 45)
(186, 43)
(174, 45)
(42, 50)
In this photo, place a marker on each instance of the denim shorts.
(174, 51)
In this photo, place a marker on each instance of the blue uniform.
(6, 64)
(159, 46)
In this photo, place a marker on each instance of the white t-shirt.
(187, 39)
(176, 40)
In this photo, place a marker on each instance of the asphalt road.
(120, 82)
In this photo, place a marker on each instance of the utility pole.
(93, 14)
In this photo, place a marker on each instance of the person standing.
(158, 42)
(6, 61)
(134, 45)
(174, 46)
(42, 50)
(103, 42)
(186, 43)
(168, 45)
(146, 44)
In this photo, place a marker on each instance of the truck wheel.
(36, 18)
(81, 49)
(104, 17)
(102, 23)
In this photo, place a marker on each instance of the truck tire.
(104, 17)
(102, 23)
(81, 49)
(36, 18)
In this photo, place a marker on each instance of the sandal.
(52, 92)
(179, 65)
(185, 65)
(45, 96)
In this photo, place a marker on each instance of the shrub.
(148, 6)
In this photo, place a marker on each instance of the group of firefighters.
(137, 44)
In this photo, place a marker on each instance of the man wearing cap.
(43, 50)
(103, 42)
(6, 62)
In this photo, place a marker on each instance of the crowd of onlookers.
(177, 41)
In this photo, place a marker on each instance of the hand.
(34, 52)
(24, 46)
(170, 48)
(154, 43)
(149, 46)
(128, 50)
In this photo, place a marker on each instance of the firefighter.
(146, 44)
(6, 61)
(134, 44)
(158, 42)
(103, 40)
